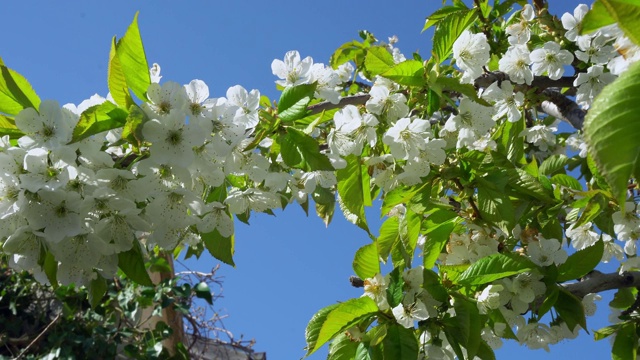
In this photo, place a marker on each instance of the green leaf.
(97, 119)
(97, 289)
(596, 206)
(342, 348)
(626, 14)
(453, 84)
(625, 346)
(294, 101)
(440, 14)
(494, 267)
(220, 247)
(132, 130)
(50, 268)
(566, 181)
(389, 235)
(133, 60)
(116, 80)
(449, 29)
(300, 150)
(409, 73)
(132, 264)
(366, 264)
(611, 131)
(400, 343)
(354, 196)
(496, 207)
(623, 298)
(396, 285)
(467, 324)
(605, 332)
(352, 50)
(437, 235)
(314, 326)
(570, 309)
(8, 127)
(16, 93)
(378, 60)
(554, 163)
(203, 292)
(485, 352)
(340, 318)
(597, 17)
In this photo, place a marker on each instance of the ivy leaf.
(99, 118)
(294, 101)
(400, 343)
(203, 292)
(339, 318)
(132, 264)
(581, 262)
(16, 93)
(366, 264)
(611, 131)
(449, 29)
(494, 267)
(220, 247)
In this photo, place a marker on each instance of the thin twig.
(44, 331)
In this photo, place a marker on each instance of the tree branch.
(563, 108)
(349, 100)
(597, 282)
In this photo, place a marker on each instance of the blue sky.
(288, 266)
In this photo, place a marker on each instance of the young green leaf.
(396, 285)
(97, 289)
(315, 325)
(133, 60)
(15, 92)
(366, 264)
(378, 60)
(116, 80)
(8, 127)
(97, 119)
(301, 150)
(409, 73)
(449, 29)
(342, 348)
(389, 235)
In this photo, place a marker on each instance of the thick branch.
(563, 108)
(595, 282)
(598, 282)
(349, 100)
(540, 82)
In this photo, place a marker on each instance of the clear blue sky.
(290, 266)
